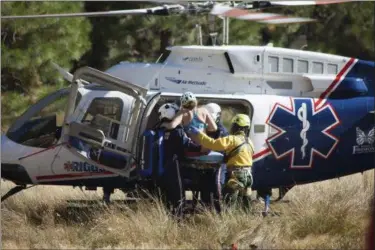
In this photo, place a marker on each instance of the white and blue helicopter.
(312, 113)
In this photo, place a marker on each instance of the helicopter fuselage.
(312, 116)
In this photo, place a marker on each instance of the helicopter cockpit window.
(105, 114)
(40, 126)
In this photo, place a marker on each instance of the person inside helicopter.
(215, 111)
(175, 144)
(212, 176)
(192, 115)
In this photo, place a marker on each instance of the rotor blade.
(286, 19)
(257, 16)
(316, 2)
(65, 74)
(222, 10)
(87, 14)
(273, 18)
(162, 10)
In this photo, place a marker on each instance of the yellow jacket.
(243, 158)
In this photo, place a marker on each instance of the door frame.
(98, 77)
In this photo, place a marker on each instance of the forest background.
(29, 46)
(333, 214)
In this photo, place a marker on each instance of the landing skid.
(266, 195)
(14, 191)
(282, 192)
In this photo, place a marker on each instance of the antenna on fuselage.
(213, 38)
(211, 29)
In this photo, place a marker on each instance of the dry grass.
(326, 215)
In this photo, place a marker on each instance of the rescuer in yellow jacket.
(238, 157)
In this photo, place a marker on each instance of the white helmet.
(187, 97)
(168, 110)
(214, 109)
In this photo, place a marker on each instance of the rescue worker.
(215, 110)
(192, 115)
(238, 158)
(210, 193)
(175, 142)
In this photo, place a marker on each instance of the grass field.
(325, 215)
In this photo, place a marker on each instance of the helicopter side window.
(303, 66)
(273, 64)
(105, 114)
(317, 68)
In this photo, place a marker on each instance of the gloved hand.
(193, 130)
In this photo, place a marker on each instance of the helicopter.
(312, 114)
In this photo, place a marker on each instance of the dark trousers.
(172, 187)
(212, 181)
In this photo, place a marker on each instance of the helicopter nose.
(9, 150)
(4, 149)
(10, 170)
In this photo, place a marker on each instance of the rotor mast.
(225, 30)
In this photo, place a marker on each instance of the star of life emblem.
(302, 131)
(365, 141)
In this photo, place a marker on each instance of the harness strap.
(237, 149)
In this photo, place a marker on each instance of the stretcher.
(211, 158)
(153, 156)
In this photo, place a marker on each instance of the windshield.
(40, 126)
